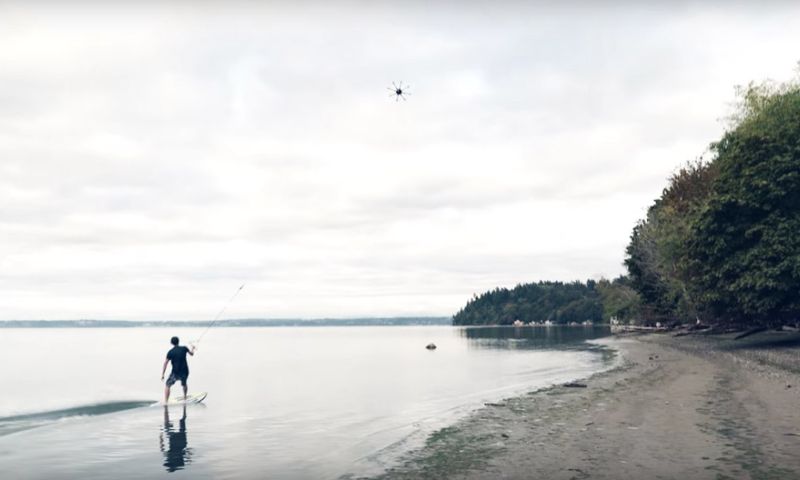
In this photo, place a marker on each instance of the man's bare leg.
(185, 389)
(166, 394)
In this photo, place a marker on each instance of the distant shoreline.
(236, 323)
(239, 323)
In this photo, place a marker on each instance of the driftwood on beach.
(752, 331)
(682, 330)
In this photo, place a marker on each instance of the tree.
(744, 248)
(619, 300)
(657, 252)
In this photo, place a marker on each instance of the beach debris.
(575, 385)
(752, 331)
(505, 435)
(431, 346)
(689, 330)
(788, 385)
(495, 404)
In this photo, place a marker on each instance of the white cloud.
(152, 158)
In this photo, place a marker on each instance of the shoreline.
(702, 407)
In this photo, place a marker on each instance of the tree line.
(721, 245)
(555, 302)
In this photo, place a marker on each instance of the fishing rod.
(230, 300)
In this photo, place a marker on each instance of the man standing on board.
(180, 367)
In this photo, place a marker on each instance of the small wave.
(17, 423)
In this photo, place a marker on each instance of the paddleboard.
(192, 398)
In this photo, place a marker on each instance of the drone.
(399, 91)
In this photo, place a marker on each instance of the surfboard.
(191, 398)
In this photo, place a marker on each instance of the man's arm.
(190, 351)
(164, 369)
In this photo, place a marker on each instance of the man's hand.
(162, 377)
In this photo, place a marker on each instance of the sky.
(155, 156)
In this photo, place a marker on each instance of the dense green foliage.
(534, 302)
(744, 249)
(722, 242)
(657, 259)
(620, 301)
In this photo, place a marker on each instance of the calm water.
(282, 403)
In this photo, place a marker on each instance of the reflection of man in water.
(176, 455)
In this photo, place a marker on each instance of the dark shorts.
(173, 377)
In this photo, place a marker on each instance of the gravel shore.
(698, 407)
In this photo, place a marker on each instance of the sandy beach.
(698, 407)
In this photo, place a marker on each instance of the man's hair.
(174, 341)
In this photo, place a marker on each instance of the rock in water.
(431, 346)
(575, 385)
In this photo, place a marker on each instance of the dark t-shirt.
(178, 358)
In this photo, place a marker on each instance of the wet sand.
(688, 407)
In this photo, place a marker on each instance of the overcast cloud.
(154, 158)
